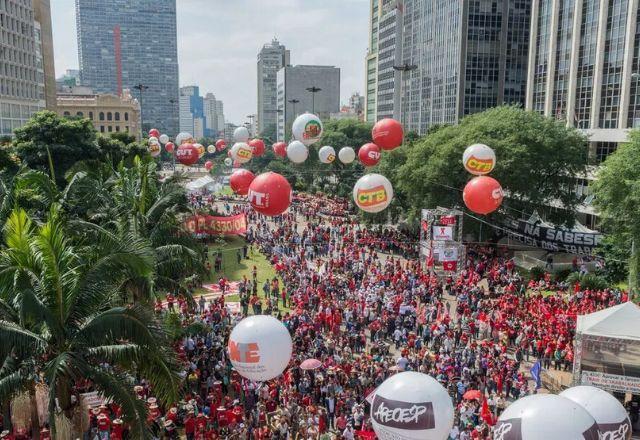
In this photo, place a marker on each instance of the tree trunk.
(634, 269)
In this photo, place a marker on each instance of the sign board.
(552, 238)
(442, 233)
(612, 382)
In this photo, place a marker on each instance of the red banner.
(448, 220)
(208, 224)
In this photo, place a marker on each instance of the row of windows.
(101, 116)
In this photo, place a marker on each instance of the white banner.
(612, 382)
(441, 233)
(448, 254)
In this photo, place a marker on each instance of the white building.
(214, 116)
(271, 59)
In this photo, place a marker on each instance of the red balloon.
(280, 148)
(483, 195)
(257, 145)
(187, 154)
(154, 132)
(240, 181)
(387, 134)
(169, 146)
(220, 145)
(208, 165)
(369, 155)
(270, 194)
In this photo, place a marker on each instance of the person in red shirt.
(104, 426)
(117, 430)
(201, 422)
(190, 425)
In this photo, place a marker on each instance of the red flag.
(485, 413)
(430, 261)
(449, 265)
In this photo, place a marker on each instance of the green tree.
(60, 319)
(538, 159)
(66, 141)
(617, 197)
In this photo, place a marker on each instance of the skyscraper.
(440, 60)
(27, 77)
(294, 97)
(271, 58)
(123, 44)
(584, 67)
(371, 83)
(192, 117)
(214, 116)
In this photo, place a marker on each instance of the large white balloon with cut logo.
(260, 347)
(411, 406)
(307, 128)
(611, 417)
(545, 417)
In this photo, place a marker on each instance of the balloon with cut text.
(297, 152)
(373, 193)
(183, 137)
(483, 195)
(479, 159)
(280, 149)
(240, 181)
(154, 132)
(369, 154)
(270, 194)
(241, 152)
(346, 155)
(257, 146)
(187, 154)
(610, 415)
(211, 149)
(208, 165)
(164, 139)
(387, 134)
(260, 347)
(327, 154)
(201, 149)
(169, 146)
(241, 134)
(412, 406)
(307, 128)
(221, 144)
(154, 149)
(545, 417)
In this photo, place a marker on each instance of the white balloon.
(347, 155)
(411, 406)
(153, 140)
(260, 347)
(241, 152)
(307, 128)
(545, 417)
(164, 139)
(327, 154)
(297, 152)
(182, 137)
(211, 149)
(610, 415)
(154, 149)
(373, 192)
(479, 159)
(228, 161)
(241, 134)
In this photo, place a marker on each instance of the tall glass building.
(125, 43)
(271, 58)
(584, 67)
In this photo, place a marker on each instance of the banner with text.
(210, 225)
(553, 239)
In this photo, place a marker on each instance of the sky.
(218, 42)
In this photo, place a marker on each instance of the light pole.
(173, 153)
(313, 90)
(397, 92)
(141, 88)
(251, 129)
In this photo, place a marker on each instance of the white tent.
(198, 184)
(620, 322)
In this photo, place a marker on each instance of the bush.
(588, 281)
(537, 273)
(562, 275)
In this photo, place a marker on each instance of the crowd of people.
(357, 300)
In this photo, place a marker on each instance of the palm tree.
(61, 318)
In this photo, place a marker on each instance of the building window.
(91, 115)
(66, 114)
(126, 128)
(117, 128)
(102, 117)
(126, 116)
(604, 149)
(110, 128)
(80, 114)
(117, 115)
(109, 116)
(102, 129)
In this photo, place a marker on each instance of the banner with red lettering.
(210, 225)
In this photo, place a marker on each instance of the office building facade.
(192, 118)
(584, 67)
(293, 98)
(371, 63)
(124, 44)
(214, 116)
(27, 77)
(271, 59)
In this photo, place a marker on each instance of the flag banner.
(448, 220)
(449, 266)
(554, 239)
(211, 225)
(535, 371)
(442, 233)
(448, 254)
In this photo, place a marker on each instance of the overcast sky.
(218, 41)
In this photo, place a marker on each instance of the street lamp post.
(313, 90)
(173, 153)
(141, 88)
(251, 129)
(397, 92)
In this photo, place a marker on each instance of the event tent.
(203, 182)
(620, 321)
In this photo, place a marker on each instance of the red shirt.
(104, 423)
